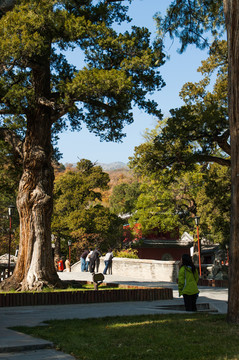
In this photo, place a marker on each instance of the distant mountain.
(113, 166)
(107, 167)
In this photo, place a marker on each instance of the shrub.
(127, 253)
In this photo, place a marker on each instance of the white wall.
(155, 270)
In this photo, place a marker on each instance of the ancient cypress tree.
(41, 93)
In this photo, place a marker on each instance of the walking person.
(187, 283)
(108, 261)
(83, 261)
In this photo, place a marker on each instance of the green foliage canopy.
(124, 197)
(120, 68)
(77, 209)
(193, 21)
(198, 132)
(170, 200)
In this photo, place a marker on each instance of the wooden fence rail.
(84, 296)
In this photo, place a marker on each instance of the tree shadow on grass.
(175, 336)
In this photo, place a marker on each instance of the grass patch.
(154, 337)
(82, 287)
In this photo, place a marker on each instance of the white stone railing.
(154, 270)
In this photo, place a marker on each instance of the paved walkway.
(17, 346)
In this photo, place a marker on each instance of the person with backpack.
(187, 283)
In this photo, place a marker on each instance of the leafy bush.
(127, 253)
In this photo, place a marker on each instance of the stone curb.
(14, 341)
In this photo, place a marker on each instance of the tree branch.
(210, 158)
(222, 142)
(48, 103)
(4, 68)
(13, 140)
(111, 1)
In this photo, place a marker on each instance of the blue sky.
(178, 70)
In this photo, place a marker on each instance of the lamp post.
(197, 221)
(227, 261)
(69, 244)
(53, 245)
(10, 212)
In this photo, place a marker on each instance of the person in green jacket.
(187, 283)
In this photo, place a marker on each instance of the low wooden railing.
(85, 296)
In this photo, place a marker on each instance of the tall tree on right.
(231, 9)
(191, 21)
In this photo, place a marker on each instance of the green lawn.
(82, 287)
(166, 337)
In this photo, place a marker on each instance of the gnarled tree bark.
(35, 266)
(231, 9)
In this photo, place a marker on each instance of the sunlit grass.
(122, 325)
(167, 337)
(83, 287)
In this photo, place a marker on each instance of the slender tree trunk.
(231, 9)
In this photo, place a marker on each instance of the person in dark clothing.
(82, 260)
(95, 260)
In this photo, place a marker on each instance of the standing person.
(87, 260)
(60, 265)
(108, 261)
(94, 260)
(97, 261)
(82, 260)
(187, 283)
(68, 265)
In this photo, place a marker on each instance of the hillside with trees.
(78, 212)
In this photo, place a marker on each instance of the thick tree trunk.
(231, 9)
(35, 266)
